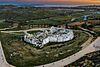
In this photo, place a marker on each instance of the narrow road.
(33, 29)
(7, 28)
(3, 62)
(94, 46)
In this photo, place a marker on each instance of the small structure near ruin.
(53, 34)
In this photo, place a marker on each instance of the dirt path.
(33, 29)
(88, 41)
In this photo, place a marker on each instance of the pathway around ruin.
(87, 43)
(94, 46)
(33, 29)
(7, 28)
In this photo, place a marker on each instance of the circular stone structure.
(53, 34)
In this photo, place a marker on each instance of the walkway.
(87, 43)
(33, 29)
(7, 28)
(91, 48)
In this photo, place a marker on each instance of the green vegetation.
(27, 17)
(3, 25)
(21, 54)
(89, 60)
(97, 30)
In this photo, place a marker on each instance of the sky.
(57, 1)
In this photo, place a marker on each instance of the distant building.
(53, 34)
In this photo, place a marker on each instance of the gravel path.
(33, 29)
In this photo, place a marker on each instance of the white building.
(53, 34)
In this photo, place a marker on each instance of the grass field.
(21, 54)
(96, 29)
